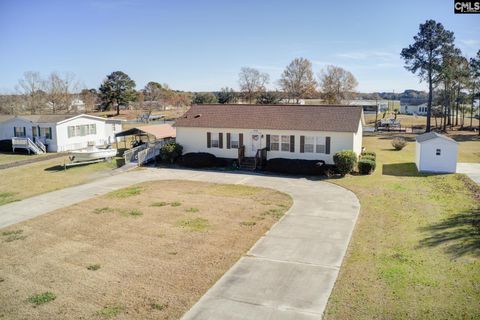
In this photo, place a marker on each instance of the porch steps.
(248, 163)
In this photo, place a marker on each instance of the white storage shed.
(436, 153)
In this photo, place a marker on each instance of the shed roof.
(433, 135)
(338, 118)
(159, 131)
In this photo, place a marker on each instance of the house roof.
(336, 118)
(159, 131)
(52, 118)
(433, 135)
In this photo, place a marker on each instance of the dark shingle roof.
(432, 135)
(281, 117)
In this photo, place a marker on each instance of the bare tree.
(57, 89)
(90, 98)
(337, 84)
(297, 80)
(252, 82)
(30, 88)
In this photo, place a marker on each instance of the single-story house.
(370, 106)
(436, 153)
(420, 109)
(59, 133)
(310, 132)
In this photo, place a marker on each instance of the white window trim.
(272, 142)
(234, 140)
(215, 143)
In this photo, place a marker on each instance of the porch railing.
(241, 154)
(261, 158)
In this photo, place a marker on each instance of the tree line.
(455, 79)
(297, 82)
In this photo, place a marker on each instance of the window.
(35, 131)
(214, 140)
(19, 132)
(274, 143)
(82, 130)
(234, 140)
(285, 143)
(309, 144)
(438, 152)
(320, 145)
(46, 132)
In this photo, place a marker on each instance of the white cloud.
(371, 54)
(470, 42)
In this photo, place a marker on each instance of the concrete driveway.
(472, 170)
(288, 274)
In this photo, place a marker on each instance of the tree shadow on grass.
(406, 169)
(459, 233)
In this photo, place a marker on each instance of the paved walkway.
(472, 170)
(288, 274)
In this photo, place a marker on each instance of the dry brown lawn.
(144, 252)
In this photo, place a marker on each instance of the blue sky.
(201, 45)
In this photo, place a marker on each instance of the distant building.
(370, 106)
(420, 109)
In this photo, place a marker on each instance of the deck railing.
(241, 154)
(260, 158)
(26, 143)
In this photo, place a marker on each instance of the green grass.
(125, 192)
(415, 251)
(42, 298)
(6, 197)
(194, 224)
(134, 212)
(103, 210)
(36, 178)
(13, 235)
(110, 311)
(159, 204)
(94, 267)
(175, 204)
(192, 210)
(276, 213)
(248, 223)
(158, 306)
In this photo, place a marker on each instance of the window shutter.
(24, 131)
(220, 140)
(292, 143)
(209, 139)
(302, 144)
(228, 140)
(240, 140)
(268, 142)
(327, 145)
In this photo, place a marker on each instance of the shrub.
(366, 166)
(297, 166)
(345, 161)
(369, 153)
(170, 152)
(399, 143)
(199, 160)
(368, 157)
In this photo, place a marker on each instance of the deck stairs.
(248, 163)
(36, 147)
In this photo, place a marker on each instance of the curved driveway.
(288, 274)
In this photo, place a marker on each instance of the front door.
(256, 143)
